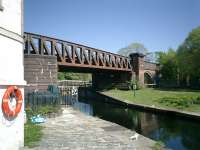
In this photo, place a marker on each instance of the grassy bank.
(187, 100)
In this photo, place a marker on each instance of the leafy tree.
(188, 56)
(133, 48)
(168, 67)
(61, 76)
(152, 57)
(182, 67)
(139, 48)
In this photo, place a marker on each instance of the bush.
(74, 76)
(197, 100)
(180, 102)
(61, 76)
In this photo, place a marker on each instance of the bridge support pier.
(137, 63)
(39, 71)
(142, 70)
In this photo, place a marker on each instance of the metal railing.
(77, 83)
(55, 95)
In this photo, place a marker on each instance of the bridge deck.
(74, 55)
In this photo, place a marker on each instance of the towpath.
(74, 130)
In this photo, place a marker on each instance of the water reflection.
(176, 133)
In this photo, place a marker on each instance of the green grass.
(42, 110)
(187, 100)
(32, 134)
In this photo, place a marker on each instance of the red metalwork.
(74, 55)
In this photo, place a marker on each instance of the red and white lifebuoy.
(6, 98)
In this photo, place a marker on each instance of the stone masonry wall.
(140, 67)
(150, 66)
(39, 71)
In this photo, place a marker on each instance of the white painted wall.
(11, 70)
(11, 132)
(11, 16)
(11, 61)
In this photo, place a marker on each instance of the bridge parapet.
(74, 55)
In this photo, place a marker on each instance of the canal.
(175, 132)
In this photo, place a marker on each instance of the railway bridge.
(45, 56)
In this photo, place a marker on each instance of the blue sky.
(114, 24)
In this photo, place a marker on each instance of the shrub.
(180, 102)
(197, 100)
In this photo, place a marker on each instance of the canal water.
(175, 132)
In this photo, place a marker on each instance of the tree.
(133, 48)
(152, 57)
(74, 76)
(168, 67)
(188, 56)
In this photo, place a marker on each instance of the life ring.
(6, 98)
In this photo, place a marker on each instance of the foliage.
(182, 67)
(134, 82)
(61, 76)
(188, 55)
(178, 102)
(133, 48)
(42, 110)
(74, 76)
(158, 146)
(168, 67)
(152, 57)
(33, 132)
